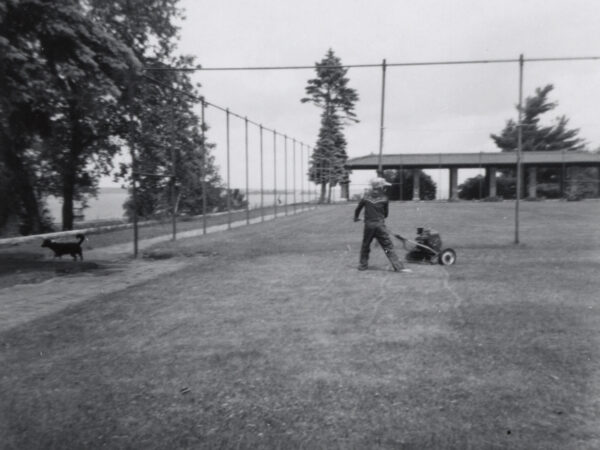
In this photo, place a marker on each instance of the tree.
(167, 131)
(477, 188)
(87, 117)
(170, 137)
(72, 95)
(329, 156)
(535, 137)
(148, 29)
(402, 185)
(25, 91)
(55, 64)
(330, 92)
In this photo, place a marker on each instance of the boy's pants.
(378, 230)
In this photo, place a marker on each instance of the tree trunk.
(71, 168)
(329, 194)
(68, 191)
(23, 185)
(323, 192)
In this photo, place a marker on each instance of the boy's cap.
(378, 182)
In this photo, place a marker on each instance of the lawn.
(268, 337)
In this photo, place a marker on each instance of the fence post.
(247, 172)
(203, 168)
(262, 187)
(130, 89)
(302, 175)
(274, 174)
(519, 149)
(228, 174)
(381, 129)
(285, 173)
(294, 173)
(173, 177)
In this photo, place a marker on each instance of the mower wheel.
(447, 257)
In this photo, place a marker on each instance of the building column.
(400, 183)
(491, 176)
(345, 190)
(453, 183)
(532, 184)
(416, 184)
(562, 181)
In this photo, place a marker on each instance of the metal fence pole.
(294, 173)
(309, 187)
(203, 169)
(285, 173)
(320, 193)
(480, 179)
(314, 192)
(228, 175)
(275, 173)
(315, 183)
(130, 89)
(379, 163)
(302, 174)
(247, 172)
(173, 177)
(519, 148)
(262, 186)
(563, 175)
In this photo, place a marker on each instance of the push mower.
(427, 248)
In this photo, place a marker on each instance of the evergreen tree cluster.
(402, 183)
(536, 137)
(73, 95)
(329, 91)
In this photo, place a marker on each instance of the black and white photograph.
(285, 224)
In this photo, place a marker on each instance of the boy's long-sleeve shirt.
(375, 205)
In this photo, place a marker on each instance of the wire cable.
(207, 103)
(399, 64)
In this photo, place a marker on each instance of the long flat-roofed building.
(490, 162)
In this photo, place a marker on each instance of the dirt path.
(104, 271)
(50, 286)
(25, 302)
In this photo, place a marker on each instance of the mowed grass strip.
(277, 341)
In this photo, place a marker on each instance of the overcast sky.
(428, 109)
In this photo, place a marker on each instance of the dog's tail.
(81, 238)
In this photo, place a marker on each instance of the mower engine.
(430, 246)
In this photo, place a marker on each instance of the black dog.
(66, 248)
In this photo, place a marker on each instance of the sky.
(427, 109)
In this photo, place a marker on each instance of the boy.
(376, 207)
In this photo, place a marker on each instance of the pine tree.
(330, 92)
(535, 138)
(538, 138)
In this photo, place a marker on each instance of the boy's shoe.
(362, 267)
(404, 271)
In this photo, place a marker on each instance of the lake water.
(109, 203)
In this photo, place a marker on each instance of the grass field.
(268, 337)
